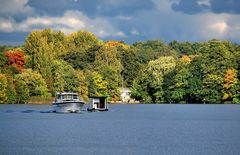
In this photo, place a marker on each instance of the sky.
(125, 20)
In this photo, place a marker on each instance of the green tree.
(64, 77)
(215, 58)
(3, 60)
(186, 48)
(140, 89)
(72, 82)
(11, 92)
(43, 47)
(109, 66)
(81, 59)
(81, 40)
(235, 90)
(83, 87)
(58, 76)
(212, 88)
(131, 65)
(7, 47)
(36, 84)
(97, 84)
(194, 91)
(3, 88)
(152, 79)
(180, 82)
(22, 91)
(81, 49)
(153, 49)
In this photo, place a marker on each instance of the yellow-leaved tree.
(3, 88)
(230, 79)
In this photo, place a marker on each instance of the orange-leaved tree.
(15, 59)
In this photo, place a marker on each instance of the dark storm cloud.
(52, 7)
(91, 8)
(226, 6)
(127, 20)
(189, 7)
(199, 6)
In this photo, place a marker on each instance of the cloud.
(135, 32)
(226, 6)
(108, 8)
(14, 7)
(191, 6)
(219, 27)
(69, 22)
(6, 25)
(128, 20)
(215, 6)
(164, 23)
(124, 17)
(204, 3)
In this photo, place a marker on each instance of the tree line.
(179, 72)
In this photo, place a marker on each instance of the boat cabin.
(98, 103)
(61, 97)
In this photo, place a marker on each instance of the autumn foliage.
(230, 77)
(155, 72)
(117, 44)
(185, 58)
(229, 80)
(15, 59)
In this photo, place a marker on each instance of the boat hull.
(68, 107)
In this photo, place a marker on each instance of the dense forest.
(179, 72)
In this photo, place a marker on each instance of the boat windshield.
(59, 97)
(75, 97)
(67, 97)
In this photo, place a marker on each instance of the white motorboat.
(67, 103)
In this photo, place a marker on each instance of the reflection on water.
(37, 111)
(8, 111)
(26, 111)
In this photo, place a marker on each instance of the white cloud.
(164, 5)
(135, 32)
(6, 25)
(124, 17)
(165, 23)
(119, 34)
(160, 21)
(204, 2)
(71, 21)
(219, 27)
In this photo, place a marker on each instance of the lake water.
(124, 129)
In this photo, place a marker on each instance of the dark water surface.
(124, 129)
